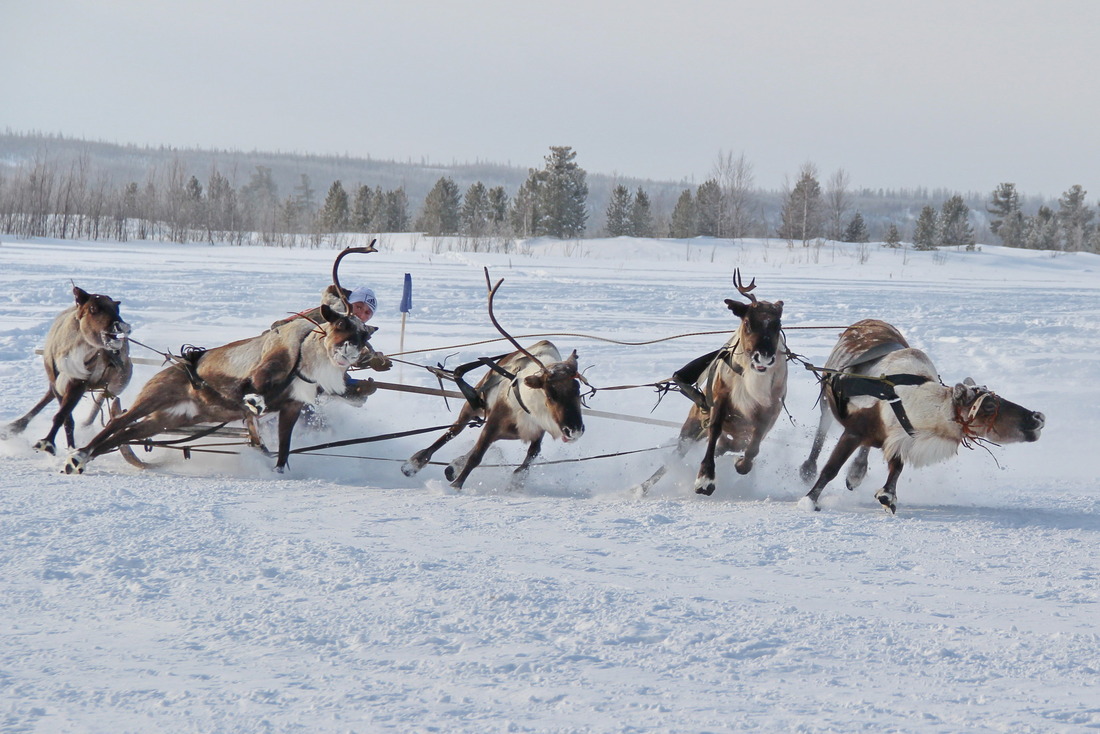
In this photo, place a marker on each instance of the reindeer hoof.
(450, 473)
(808, 471)
(254, 403)
(809, 504)
(45, 445)
(704, 486)
(76, 463)
(409, 468)
(743, 465)
(888, 500)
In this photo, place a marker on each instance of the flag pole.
(406, 306)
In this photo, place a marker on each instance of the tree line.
(44, 199)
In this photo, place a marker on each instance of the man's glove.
(379, 362)
(357, 391)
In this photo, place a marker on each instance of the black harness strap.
(846, 386)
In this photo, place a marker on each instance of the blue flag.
(407, 294)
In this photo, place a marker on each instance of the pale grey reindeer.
(86, 350)
(888, 395)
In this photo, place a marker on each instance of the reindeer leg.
(136, 424)
(519, 476)
(114, 409)
(848, 443)
(489, 433)
(888, 495)
(808, 470)
(16, 427)
(704, 482)
(68, 401)
(421, 458)
(858, 469)
(690, 433)
(288, 416)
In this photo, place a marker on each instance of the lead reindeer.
(888, 395)
(743, 387)
(538, 394)
(278, 371)
(86, 349)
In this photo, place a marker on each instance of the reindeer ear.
(328, 314)
(964, 394)
(778, 308)
(80, 295)
(535, 381)
(571, 361)
(739, 309)
(969, 381)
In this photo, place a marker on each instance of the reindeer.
(86, 349)
(279, 371)
(528, 393)
(888, 395)
(743, 387)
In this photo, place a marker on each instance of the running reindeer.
(526, 394)
(888, 395)
(86, 350)
(743, 387)
(279, 371)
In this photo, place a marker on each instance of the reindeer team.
(884, 393)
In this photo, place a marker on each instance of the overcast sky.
(956, 94)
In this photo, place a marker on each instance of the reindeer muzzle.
(116, 336)
(760, 362)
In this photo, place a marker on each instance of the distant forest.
(54, 186)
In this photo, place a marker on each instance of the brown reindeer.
(738, 390)
(888, 395)
(86, 350)
(278, 371)
(538, 393)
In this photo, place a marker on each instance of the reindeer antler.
(336, 270)
(742, 288)
(493, 318)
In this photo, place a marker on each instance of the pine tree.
(475, 210)
(955, 229)
(1007, 219)
(683, 223)
(801, 216)
(335, 212)
(440, 214)
(708, 209)
(893, 237)
(498, 209)
(526, 211)
(618, 212)
(925, 236)
(641, 215)
(361, 210)
(563, 198)
(397, 211)
(1074, 218)
(1041, 232)
(856, 231)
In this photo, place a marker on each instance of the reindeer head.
(985, 414)
(100, 323)
(761, 324)
(560, 381)
(346, 338)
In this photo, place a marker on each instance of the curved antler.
(742, 288)
(336, 268)
(493, 318)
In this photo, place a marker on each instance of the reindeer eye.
(988, 406)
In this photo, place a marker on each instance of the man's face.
(362, 311)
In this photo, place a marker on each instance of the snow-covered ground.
(211, 594)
